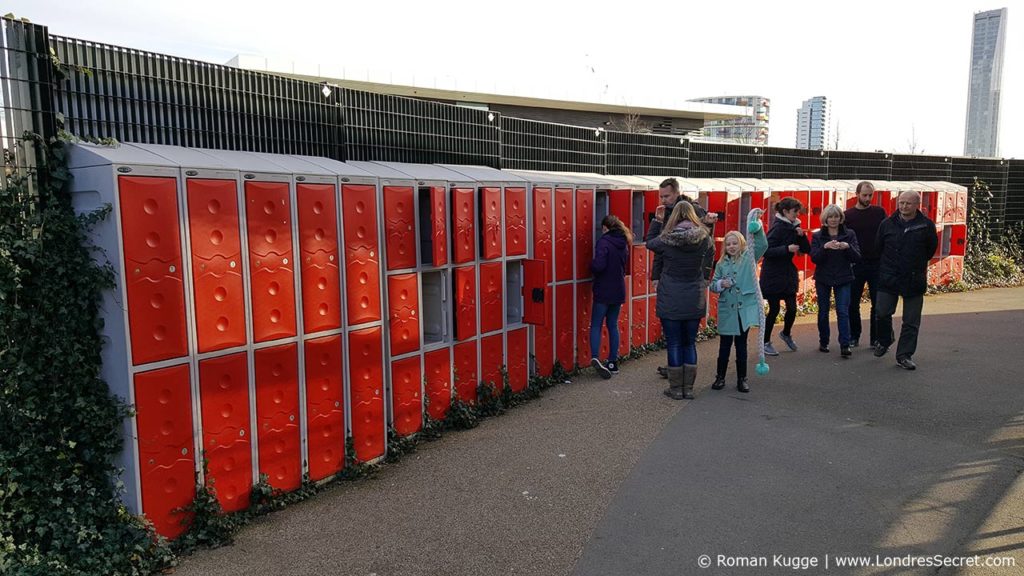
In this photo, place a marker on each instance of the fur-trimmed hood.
(685, 236)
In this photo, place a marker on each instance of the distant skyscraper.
(812, 123)
(982, 134)
(751, 129)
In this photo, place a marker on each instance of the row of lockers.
(414, 283)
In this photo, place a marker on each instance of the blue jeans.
(842, 294)
(681, 339)
(600, 314)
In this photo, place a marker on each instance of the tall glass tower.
(982, 133)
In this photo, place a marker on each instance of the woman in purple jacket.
(611, 257)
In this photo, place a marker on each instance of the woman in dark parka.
(611, 259)
(779, 278)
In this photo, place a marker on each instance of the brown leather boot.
(675, 383)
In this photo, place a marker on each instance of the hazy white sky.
(892, 69)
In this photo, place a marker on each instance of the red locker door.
(958, 240)
(492, 304)
(465, 302)
(366, 379)
(277, 415)
(492, 358)
(620, 204)
(465, 371)
(650, 267)
(269, 227)
(536, 303)
(325, 407)
(544, 336)
(439, 224)
(438, 368)
(216, 263)
(515, 221)
(403, 301)
(949, 208)
(407, 405)
(563, 234)
(362, 255)
(152, 268)
(584, 305)
(516, 359)
(961, 206)
(318, 244)
(490, 210)
(224, 394)
(930, 205)
(163, 416)
(638, 322)
(584, 232)
(400, 227)
(542, 229)
(653, 324)
(638, 270)
(624, 322)
(564, 324)
(463, 218)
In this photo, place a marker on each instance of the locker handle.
(538, 295)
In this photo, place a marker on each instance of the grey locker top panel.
(294, 164)
(380, 170)
(484, 173)
(542, 177)
(185, 157)
(336, 167)
(426, 171)
(248, 161)
(81, 155)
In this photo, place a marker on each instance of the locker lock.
(241, 432)
(538, 295)
(184, 451)
(291, 418)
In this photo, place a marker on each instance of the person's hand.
(659, 213)
(830, 245)
(654, 284)
(710, 218)
(844, 245)
(800, 231)
(793, 248)
(727, 283)
(754, 226)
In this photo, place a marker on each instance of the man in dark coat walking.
(906, 241)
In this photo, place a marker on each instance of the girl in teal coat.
(739, 301)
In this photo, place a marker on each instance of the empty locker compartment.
(435, 308)
(403, 317)
(514, 293)
(492, 309)
(433, 226)
(399, 227)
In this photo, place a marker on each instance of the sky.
(896, 72)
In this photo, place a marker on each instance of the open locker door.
(535, 287)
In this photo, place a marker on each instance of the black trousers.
(864, 273)
(774, 303)
(886, 307)
(725, 344)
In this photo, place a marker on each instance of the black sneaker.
(612, 367)
(823, 348)
(906, 363)
(880, 350)
(845, 351)
(601, 368)
(855, 344)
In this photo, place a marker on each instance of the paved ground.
(826, 457)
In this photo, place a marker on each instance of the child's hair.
(733, 234)
(788, 203)
(612, 222)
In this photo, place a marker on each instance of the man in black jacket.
(906, 241)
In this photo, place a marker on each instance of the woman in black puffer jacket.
(779, 278)
(834, 251)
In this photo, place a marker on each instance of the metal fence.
(105, 91)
